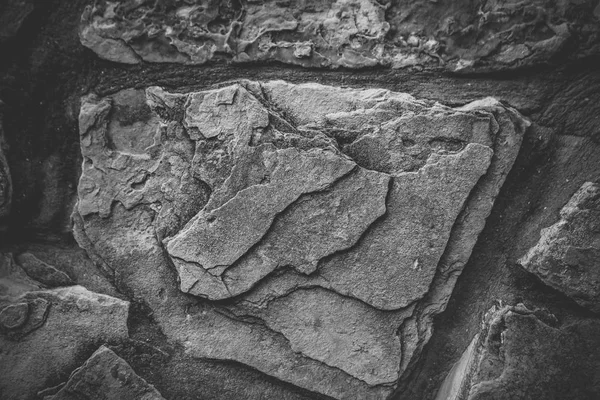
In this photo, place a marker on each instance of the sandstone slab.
(567, 256)
(290, 201)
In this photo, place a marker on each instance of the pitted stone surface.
(567, 255)
(459, 35)
(292, 201)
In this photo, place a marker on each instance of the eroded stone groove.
(323, 212)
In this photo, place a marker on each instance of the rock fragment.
(43, 272)
(106, 376)
(567, 256)
(520, 353)
(44, 332)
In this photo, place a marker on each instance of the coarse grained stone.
(291, 200)
(568, 253)
(106, 376)
(460, 36)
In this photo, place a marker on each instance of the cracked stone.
(568, 252)
(291, 201)
(106, 376)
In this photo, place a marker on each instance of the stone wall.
(351, 199)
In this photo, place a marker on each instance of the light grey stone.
(290, 201)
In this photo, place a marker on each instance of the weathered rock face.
(567, 257)
(459, 35)
(44, 331)
(334, 222)
(106, 376)
(526, 354)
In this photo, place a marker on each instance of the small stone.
(303, 49)
(14, 315)
(568, 253)
(413, 40)
(42, 272)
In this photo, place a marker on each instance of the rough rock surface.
(106, 376)
(527, 354)
(458, 35)
(44, 332)
(567, 256)
(333, 221)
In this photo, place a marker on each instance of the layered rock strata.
(456, 35)
(318, 229)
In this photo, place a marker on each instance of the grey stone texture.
(526, 354)
(461, 36)
(567, 256)
(319, 228)
(106, 376)
(44, 331)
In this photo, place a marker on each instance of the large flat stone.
(290, 201)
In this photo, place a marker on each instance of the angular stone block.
(106, 376)
(318, 228)
(567, 256)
